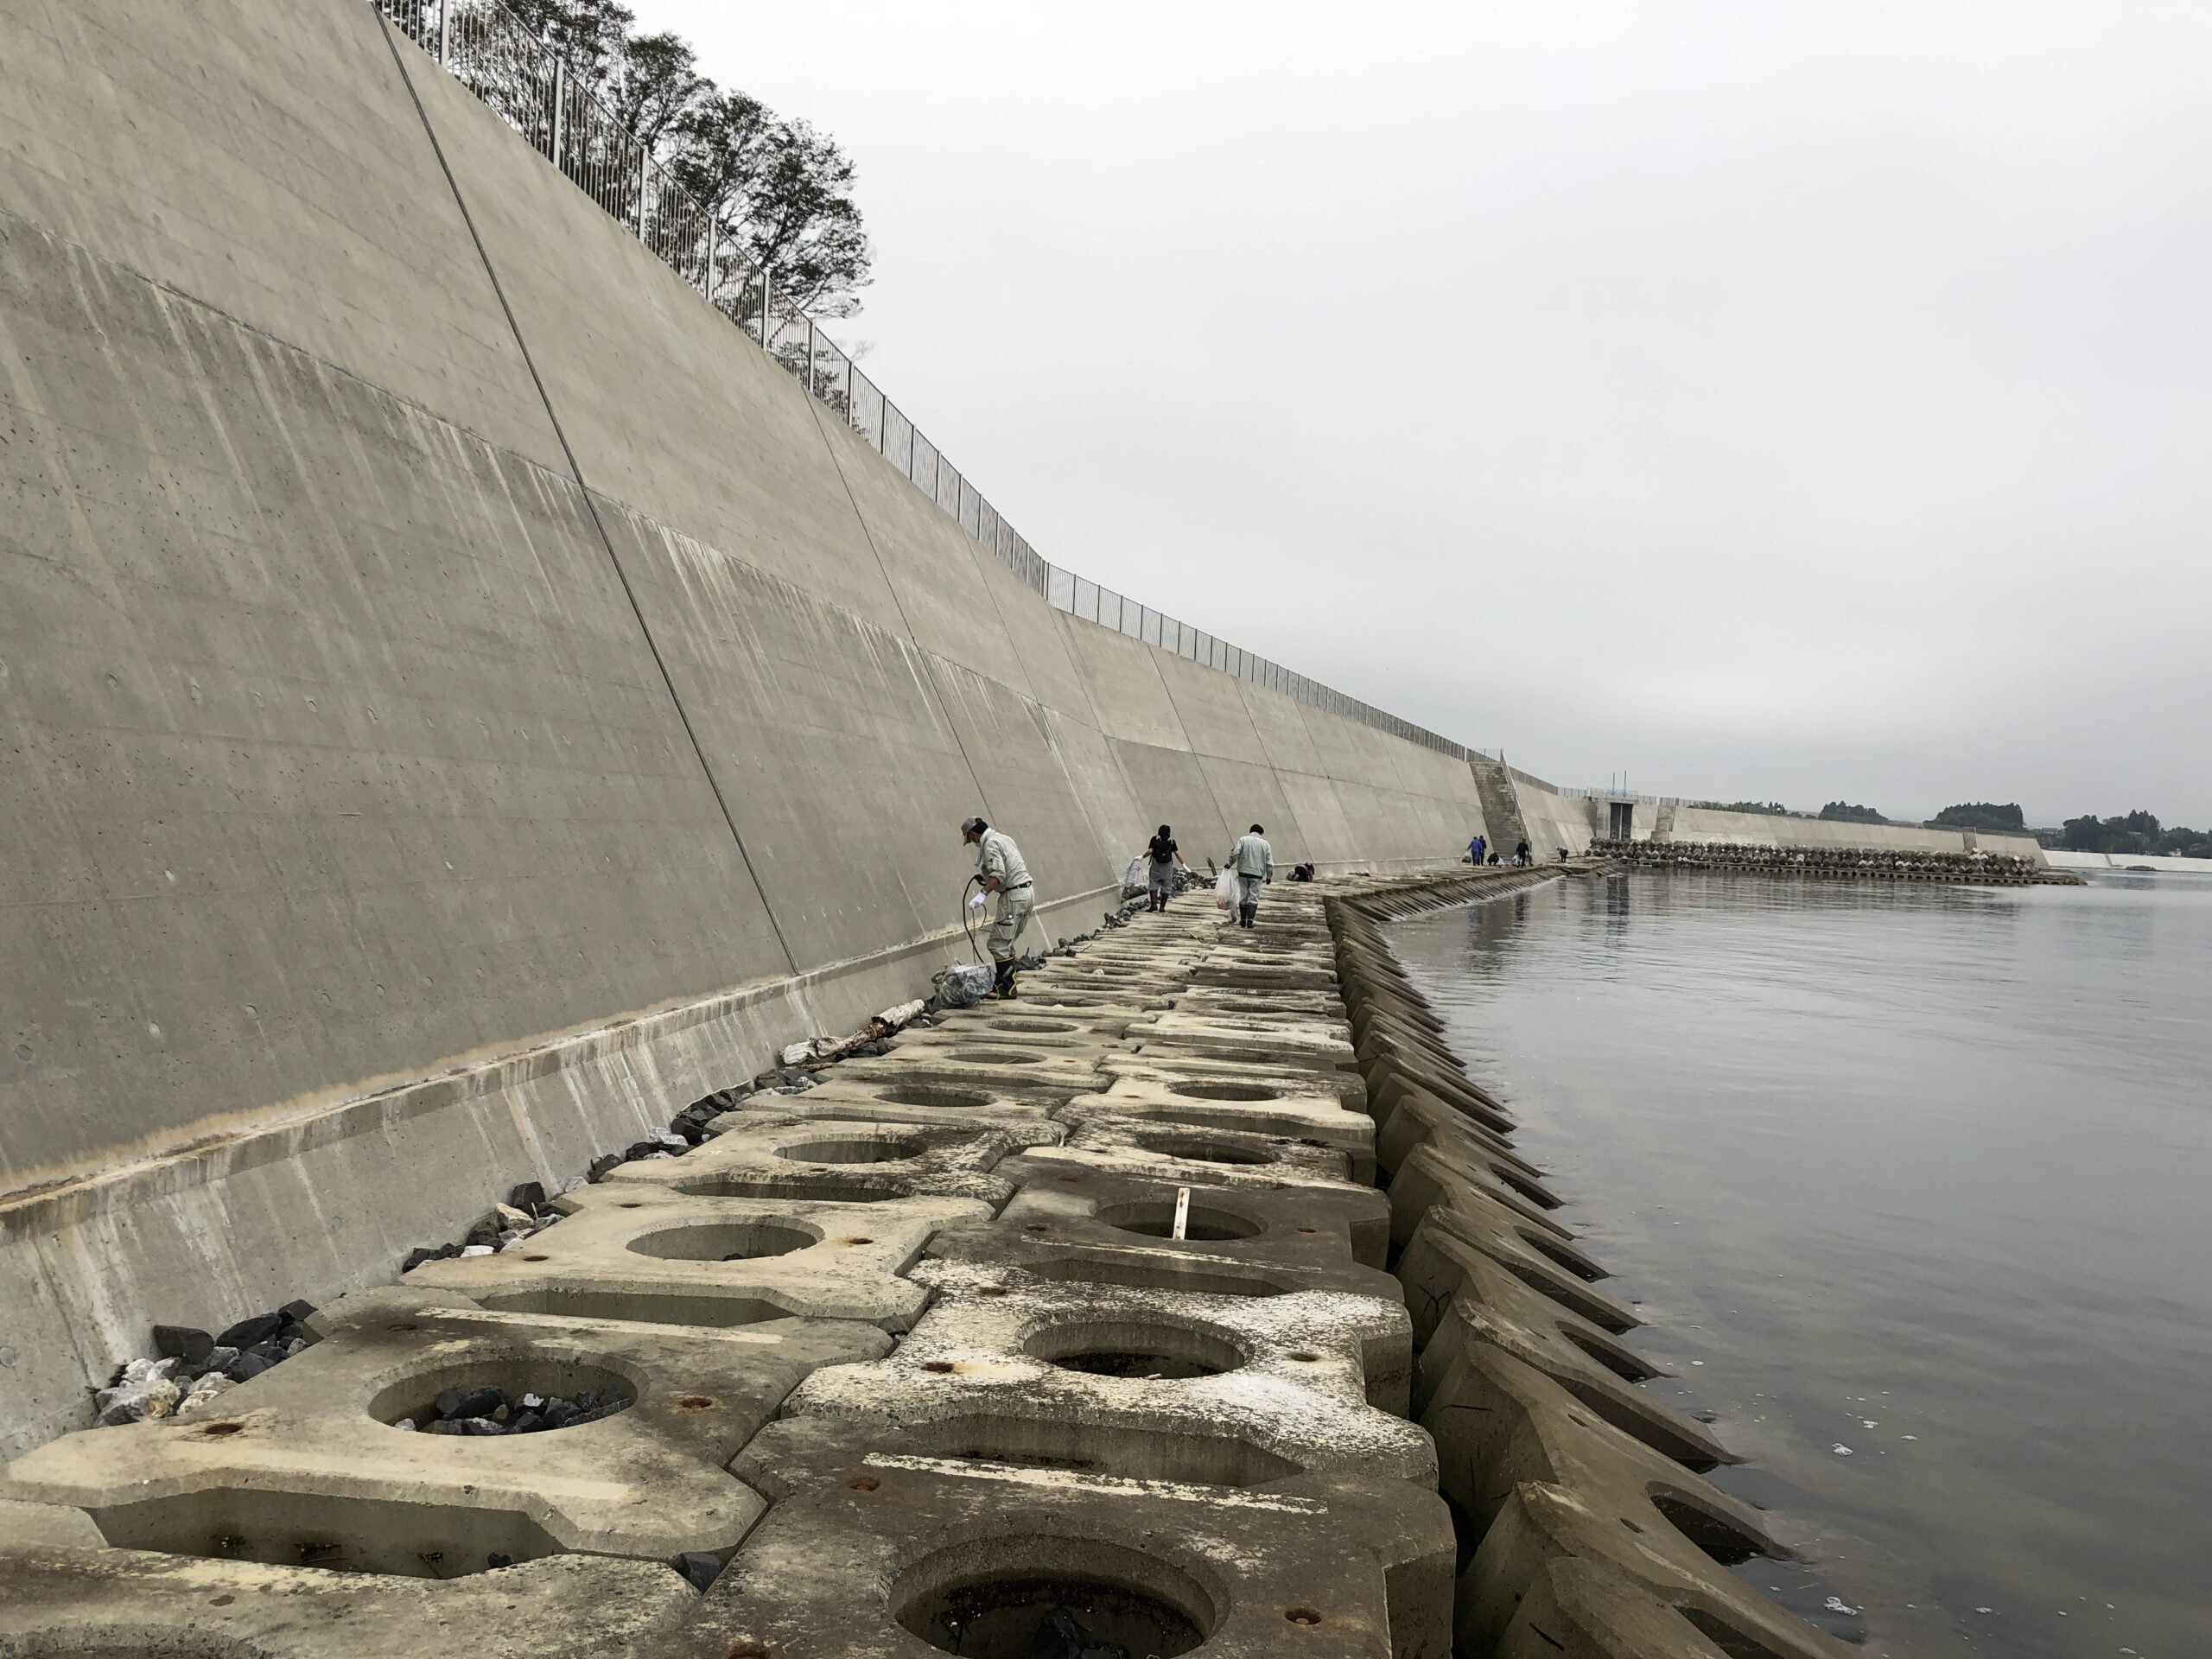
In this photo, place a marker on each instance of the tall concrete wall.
(459, 699)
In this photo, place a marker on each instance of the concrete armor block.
(630, 1250)
(305, 1467)
(1284, 1378)
(771, 1155)
(874, 1548)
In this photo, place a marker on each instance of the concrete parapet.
(629, 1251)
(1160, 1384)
(884, 1546)
(59, 1603)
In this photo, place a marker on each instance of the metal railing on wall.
(528, 85)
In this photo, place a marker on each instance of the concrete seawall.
(459, 694)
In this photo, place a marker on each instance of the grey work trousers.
(1014, 906)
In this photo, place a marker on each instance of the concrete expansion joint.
(1083, 1320)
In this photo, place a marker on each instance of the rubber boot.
(1002, 984)
(1245, 913)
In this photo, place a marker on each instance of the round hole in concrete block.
(1201, 1149)
(1230, 1091)
(1036, 1027)
(923, 1094)
(851, 1149)
(722, 1241)
(1138, 1350)
(996, 1057)
(994, 1597)
(1156, 1219)
(590, 1392)
(1302, 1616)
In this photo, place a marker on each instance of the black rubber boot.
(1245, 913)
(1002, 985)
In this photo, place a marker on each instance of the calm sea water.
(1922, 1172)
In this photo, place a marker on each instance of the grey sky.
(1799, 401)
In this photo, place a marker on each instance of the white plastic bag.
(1133, 879)
(1224, 890)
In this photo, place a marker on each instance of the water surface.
(1922, 1172)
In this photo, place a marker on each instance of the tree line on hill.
(2137, 832)
(782, 190)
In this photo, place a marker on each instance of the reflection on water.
(1917, 1171)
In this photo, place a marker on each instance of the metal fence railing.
(527, 84)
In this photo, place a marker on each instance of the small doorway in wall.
(1624, 820)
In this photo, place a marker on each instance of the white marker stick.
(1182, 1211)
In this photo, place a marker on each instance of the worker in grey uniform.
(1254, 862)
(998, 864)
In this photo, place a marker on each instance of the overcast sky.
(1795, 401)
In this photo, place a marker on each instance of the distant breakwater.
(1861, 863)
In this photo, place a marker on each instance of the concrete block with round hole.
(1323, 1009)
(999, 1022)
(1234, 1080)
(305, 1465)
(1494, 1307)
(1292, 1380)
(629, 1251)
(1326, 1222)
(1320, 1119)
(1076, 1255)
(1282, 1044)
(1557, 1482)
(1194, 1155)
(962, 1064)
(93, 1603)
(775, 1155)
(999, 1105)
(1254, 975)
(1451, 1238)
(889, 1550)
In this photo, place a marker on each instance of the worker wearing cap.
(1254, 862)
(1000, 870)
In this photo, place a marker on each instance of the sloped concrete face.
(305, 1465)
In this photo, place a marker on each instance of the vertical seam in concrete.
(897, 604)
(1190, 746)
(621, 575)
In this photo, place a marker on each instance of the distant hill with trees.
(1982, 815)
(2133, 832)
(1845, 812)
